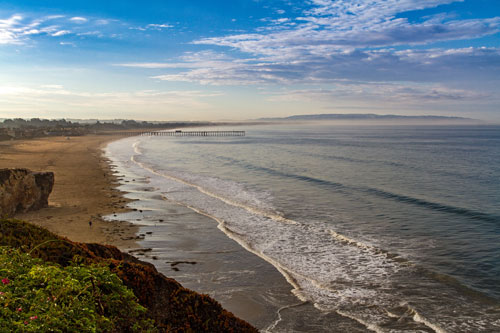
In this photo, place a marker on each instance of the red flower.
(5, 281)
(19, 309)
(33, 317)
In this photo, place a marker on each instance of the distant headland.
(366, 116)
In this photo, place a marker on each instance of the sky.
(246, 59)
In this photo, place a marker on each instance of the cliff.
(22, 190)
(172, 307)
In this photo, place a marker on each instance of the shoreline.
(85, 188)
(207, 260)
(189, 246)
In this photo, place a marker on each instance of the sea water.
(393, 228)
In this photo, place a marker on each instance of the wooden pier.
(184, 133)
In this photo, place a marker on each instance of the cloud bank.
(346, 44)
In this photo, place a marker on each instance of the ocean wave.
(394, 164)
(229, 199)
(436, 206)
(470, 213)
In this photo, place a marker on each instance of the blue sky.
(245, 59)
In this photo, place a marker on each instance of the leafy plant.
(39, 296)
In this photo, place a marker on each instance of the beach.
(84, 188)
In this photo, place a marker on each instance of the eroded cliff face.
(172, 307)
(22, 190)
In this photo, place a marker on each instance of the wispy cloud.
(57, 89)
(366, 42)
(385, 65)
(334, 26)
(20, 29)
(378, 92)
(208, 67)
(60, 33)
(67, 44)
(153, 26)
(79, 19)
(10, 31)
(151, 65)
(58, 98)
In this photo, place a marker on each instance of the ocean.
(321, 227)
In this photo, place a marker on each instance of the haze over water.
(395, 227)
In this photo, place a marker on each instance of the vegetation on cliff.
(36, 296)
(172, 307)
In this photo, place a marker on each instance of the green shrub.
(36, 296)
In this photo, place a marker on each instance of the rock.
(22, 190)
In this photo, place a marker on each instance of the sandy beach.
(84, 188)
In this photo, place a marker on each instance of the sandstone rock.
(22, 190)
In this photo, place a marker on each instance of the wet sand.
(84, 188)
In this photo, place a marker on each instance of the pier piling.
(184, 133)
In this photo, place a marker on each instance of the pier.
(194, 133)
(183, 133)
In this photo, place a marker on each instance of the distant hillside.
(363, 116)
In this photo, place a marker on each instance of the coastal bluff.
(168, 305)
(22, 190)
(172, 307)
